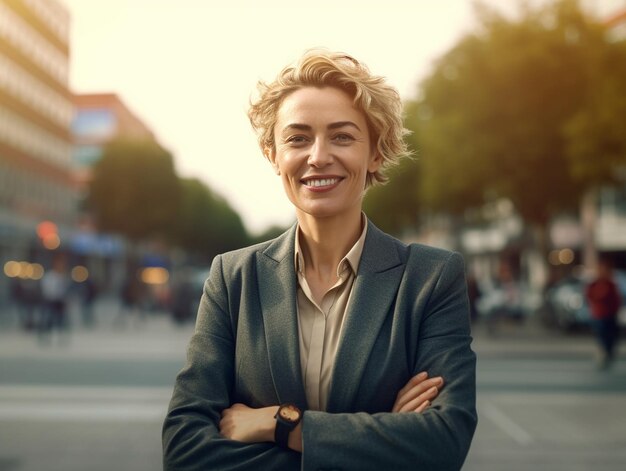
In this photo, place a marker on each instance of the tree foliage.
(206, 223)
(530, 109)
(596, 135)
(270, 233)
(135, 190)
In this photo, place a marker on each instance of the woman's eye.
(297, 139)
(343, 138)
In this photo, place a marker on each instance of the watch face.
(289, 413)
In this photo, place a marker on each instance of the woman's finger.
(414, 381)
(415, 391)
(417, 401)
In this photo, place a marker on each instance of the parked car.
(510, 302)
(186, 292)
(565, 305)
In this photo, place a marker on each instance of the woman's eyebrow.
(341, 124)
(298, 126)
(306, 127)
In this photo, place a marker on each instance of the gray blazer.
(409, 313)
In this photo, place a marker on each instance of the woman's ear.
(375, 162)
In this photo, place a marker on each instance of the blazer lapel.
(277, 289)
(374, 290)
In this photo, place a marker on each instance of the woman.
(326, 348)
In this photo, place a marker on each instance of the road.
(95, 400)
(544, 405)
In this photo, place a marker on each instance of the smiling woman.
(328, 346)
(323, 154)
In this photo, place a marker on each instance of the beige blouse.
(320, 325)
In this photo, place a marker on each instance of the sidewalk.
(153, 337)
(533, 340)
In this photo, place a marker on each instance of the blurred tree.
(229, 231)
(206, 224)
(135, 190)
(270, 233)
(596, 134)
(519, 109)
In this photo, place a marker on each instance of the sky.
(188, 69)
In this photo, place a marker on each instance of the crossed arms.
(424, 429)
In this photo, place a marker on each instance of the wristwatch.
(287, 417)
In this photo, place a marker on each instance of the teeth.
(322, 182)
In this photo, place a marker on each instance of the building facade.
(100, 118)
(36, 112)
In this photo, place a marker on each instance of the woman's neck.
(325, 241)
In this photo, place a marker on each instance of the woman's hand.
(245, 424)
(418, 393)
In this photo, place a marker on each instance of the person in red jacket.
(604, 302)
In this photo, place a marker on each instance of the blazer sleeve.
(191, 438)
(437, 439)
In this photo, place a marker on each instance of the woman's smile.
(321, 183)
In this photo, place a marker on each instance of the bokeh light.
(566, 256)
(155, 275)
(51, 242)
(24, 270)
(12, 269)
(80, 274)
(37, 271)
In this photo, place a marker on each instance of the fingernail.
(433, 389)
(422, 375)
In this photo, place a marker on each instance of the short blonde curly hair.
(379, 102)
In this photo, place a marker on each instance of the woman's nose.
(320, 155)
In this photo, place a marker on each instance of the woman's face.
(323, 152)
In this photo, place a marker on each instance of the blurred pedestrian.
(473, 294)
(55, 286)
(131, 296)
(604, 302)
(25, 298)
(504, 301)
(87, 292)
(16, 296)
(183, 297)
(30, 303)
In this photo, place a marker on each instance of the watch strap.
(281, 434)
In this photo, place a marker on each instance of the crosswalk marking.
(506, 424)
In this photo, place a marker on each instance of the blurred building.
(36, 112)
(100, 118)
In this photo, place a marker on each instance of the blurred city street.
(93, 400)
(96, 398)
(128, 163)
(543, 404)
